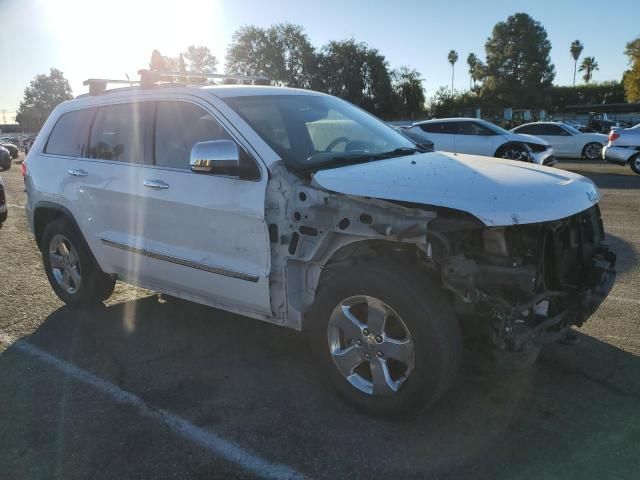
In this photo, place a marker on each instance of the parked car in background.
(5, 159)
(3, 204)
(600, 122)
(418, 137)
(566, 140)
(624, 147)
(13, 150)
(479, 137)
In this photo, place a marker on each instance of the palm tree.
(576, 51)
(472, 61)
(588, 66)
(453, 58)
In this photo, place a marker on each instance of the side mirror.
(216, 156)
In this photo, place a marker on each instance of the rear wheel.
(634, 163)
(71, 271)
(385, 337)
(592, 151)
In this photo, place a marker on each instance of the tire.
(592, 151)
(406, 294)
(514, 151)
(64, 252)
(634, 163)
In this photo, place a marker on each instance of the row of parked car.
(537, 142)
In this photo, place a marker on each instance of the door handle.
(157, 184)
(77, 173)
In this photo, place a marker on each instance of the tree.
(588, 66)
(631, 78)
(453, 58)
(354, 71)
(408, 92)
(281, 52)
(576, 51)
(519, 68)
(198, 59)
(43, 94)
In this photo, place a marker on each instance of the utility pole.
(4, 118)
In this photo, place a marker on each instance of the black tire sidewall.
(422, 310)
(92, 287)
(632, 163)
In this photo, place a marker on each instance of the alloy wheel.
(65, 264)
(593, 151)
(370, 345)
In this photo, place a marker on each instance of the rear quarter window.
(69, 135)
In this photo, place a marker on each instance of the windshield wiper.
(355, 158)
(398, 152)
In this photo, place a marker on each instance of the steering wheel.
(335, 142)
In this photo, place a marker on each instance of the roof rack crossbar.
(153, 76)
(99, 85)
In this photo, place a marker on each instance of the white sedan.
(566, 140)
(479, 137)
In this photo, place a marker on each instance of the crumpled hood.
(498, 192)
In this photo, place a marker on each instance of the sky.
(111, 38)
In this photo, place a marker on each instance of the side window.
(450, 127)
(431, 127)
(69, 135)
(179, 126)
(559, 131)
(529, 129)
(118, 133)
(473, 128)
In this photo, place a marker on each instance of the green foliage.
(588, 66)
(354, 71)
(595, 93)
(43, 94)
(446, 104)
(281, 52)
(408, 92)
(198, 59)
(631, 78)
(576, 49)
(519, 68)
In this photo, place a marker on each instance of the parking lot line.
(204, 438)
(633, 301)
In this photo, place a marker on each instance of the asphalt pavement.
(151, 388)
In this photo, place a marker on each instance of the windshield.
(493, 127)
(312, 131)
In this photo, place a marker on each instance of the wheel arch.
(504, 146)
(46, 212)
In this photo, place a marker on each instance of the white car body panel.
(625, 147)
(498, 192)
(571, 145)
(485, 145)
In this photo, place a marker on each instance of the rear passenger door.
(442, 134)
(206, 236)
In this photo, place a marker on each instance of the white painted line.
(14, 205)
(633, 301)
(204, 438)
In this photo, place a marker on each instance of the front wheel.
(71, 271)
(385, 337)
(514, 151)
(592, 151)
(634, 163)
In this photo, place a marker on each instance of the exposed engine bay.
(530, 282)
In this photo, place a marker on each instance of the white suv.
(299, 209)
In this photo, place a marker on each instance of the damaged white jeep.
(299, 209)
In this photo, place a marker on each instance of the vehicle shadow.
(626, 254)
(256, 383)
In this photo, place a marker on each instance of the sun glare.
(117, 37)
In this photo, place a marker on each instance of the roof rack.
(149, 78)
(154, 76)
(99, 85)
